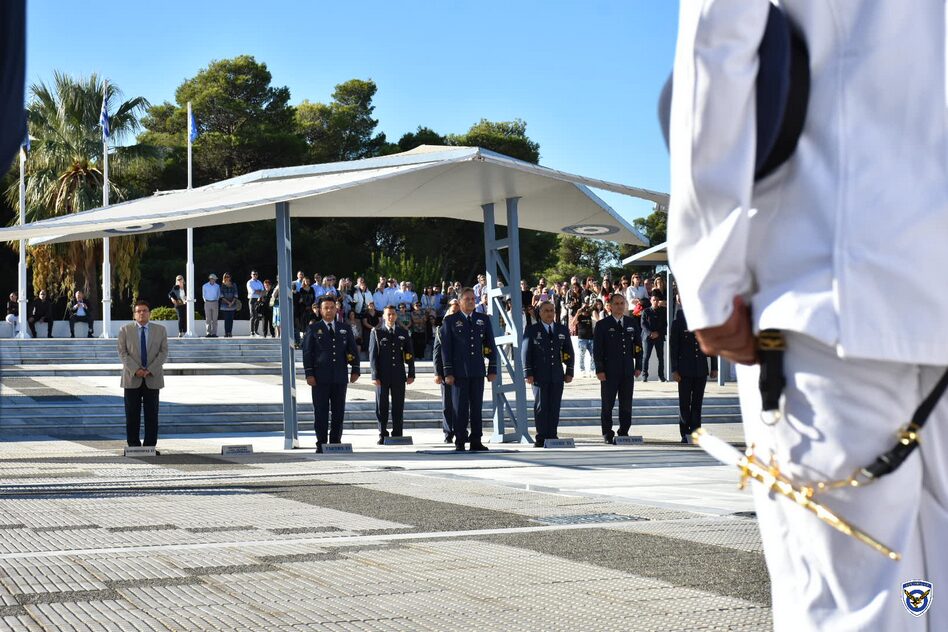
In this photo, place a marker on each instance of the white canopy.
(656, 255)
(430, 181)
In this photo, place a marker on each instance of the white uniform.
(861, 206)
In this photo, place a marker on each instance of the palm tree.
(64, 175)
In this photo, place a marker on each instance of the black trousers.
(447, 409)
(395, 391)
(32, 323)
(418, 343)
(182, 318)
(609, 390)
(87, 319)
(326, 396)
(255, 316)
(135, 400)
(268, 321)
(690, 397)
(659, 346)
(467, 395)
(547, 397)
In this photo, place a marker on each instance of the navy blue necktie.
(144, 349)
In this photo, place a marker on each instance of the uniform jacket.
(687, 358)
(868, 176)
(389, 352)
(544, 355)
(465, 346)
(617, 349)
(436, 358)
(129, 350)
(654, 319)
(326, 356)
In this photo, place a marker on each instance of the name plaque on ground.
(337, 448)
(140, 451)
(630, 440)
(559, 443)
(236, 450)
(398, 441)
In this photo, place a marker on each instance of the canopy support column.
(287, 340)
(509, 340)
(189, 283)
(21, 269)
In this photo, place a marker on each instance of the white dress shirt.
(810, 245)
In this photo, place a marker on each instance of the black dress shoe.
(381, 441)
(684, 439)
(478, 447)
(319, 448)
(459, 448)
(645, 378)
(157, 453)
(449, 438)
(538, 444)
(609, 439)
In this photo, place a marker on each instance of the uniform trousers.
(467, 395)
(839, 415)
(395, 390)
(135, 400)
(326, 396)
(609, 390)
(690, 397)
(547, 397)
(447, 409)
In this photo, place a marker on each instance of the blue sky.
(584, 75)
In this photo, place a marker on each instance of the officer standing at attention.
(617, 352)
(466, 339)
(390, 350)
(546, 348)
(689, 367)
(447, 406)
(328, 347)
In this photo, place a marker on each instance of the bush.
(169, 313)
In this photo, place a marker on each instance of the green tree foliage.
(581, 256)
(655, 229)
(244, 123)
(64, 176)
(344, 128)
(505, 137)
(422, 273)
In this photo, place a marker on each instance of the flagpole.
(189, 269)
(106, 252)
(21, 282)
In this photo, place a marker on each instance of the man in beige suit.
(143, 349)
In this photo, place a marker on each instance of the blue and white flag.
(104, 117)
(192, 127)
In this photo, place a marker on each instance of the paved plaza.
(651, 537)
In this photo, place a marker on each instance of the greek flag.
(192, 128)
(104, 117)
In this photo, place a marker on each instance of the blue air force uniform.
(447, 406)
(617, 352)
(545, 349)
(389, 351)
(328, 351)
(466, 340)
(691, 364)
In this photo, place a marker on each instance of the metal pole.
(21, 269)
(508, 344)
(189, 268)
(287, 337)
(106, 253)
(669, 305)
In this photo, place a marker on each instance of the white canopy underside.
(427, 182)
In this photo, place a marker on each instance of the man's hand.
(377, 382)
(637, 373)
(653, 335)
(410, 380)
(734, 339)
(353, 377)
(491, 377)
(676, 376)
(530, 380)
(140, 373)
(449, 380)
(438, 379)
(568, 379)
(601, 376)
(714, 375)
(311, 381)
